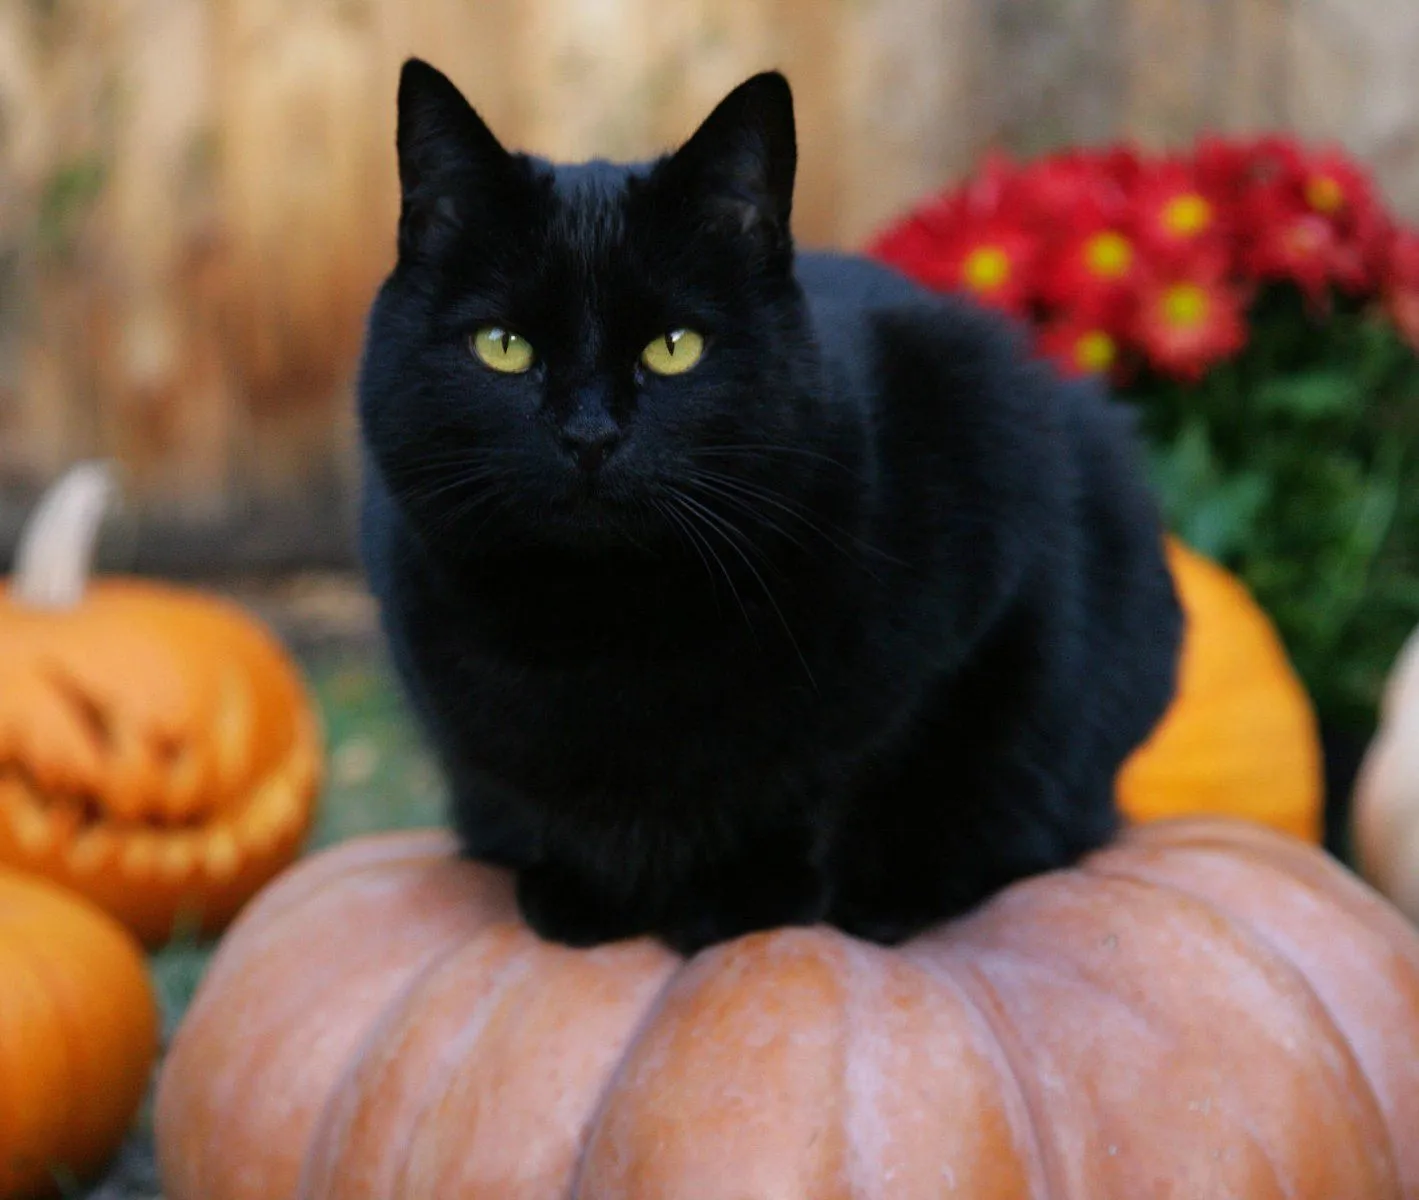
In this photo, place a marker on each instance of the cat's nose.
(590, 439)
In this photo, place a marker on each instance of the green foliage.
(1297, 466)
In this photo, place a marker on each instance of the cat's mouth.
(594, 511)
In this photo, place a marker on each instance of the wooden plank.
(1055, 71)
(907, 105)
(1255, 84)
(1176, 60)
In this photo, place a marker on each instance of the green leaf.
(1316, 395)
(1221, 524)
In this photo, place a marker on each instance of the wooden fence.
(197, 196)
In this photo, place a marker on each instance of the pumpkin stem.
(56, 550)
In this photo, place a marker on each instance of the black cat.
(737, 589)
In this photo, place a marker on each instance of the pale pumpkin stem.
(56, 552)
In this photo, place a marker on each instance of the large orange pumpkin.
(78, 1034)
(1240, 738)
(158, 752)
(1207, 1009)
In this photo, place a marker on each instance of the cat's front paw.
(755, 898)
(883, 914)
(561, 908)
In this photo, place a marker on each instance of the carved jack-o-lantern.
(158, 751)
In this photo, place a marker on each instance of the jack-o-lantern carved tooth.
(221, 854)
(92, 852)
(34, 828)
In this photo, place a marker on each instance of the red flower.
(1076, 187)
(1080, 347)
(1176, 219)
(1289, 243)
(1120, 259)
(1227, 168)
(961, 244)
(1185, 325)
(1316, 222)
(1095, 267)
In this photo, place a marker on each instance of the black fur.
(855, 621)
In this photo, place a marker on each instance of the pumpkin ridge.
(329, 1123)
(982, 1003)
(1287, 857)
(1276, 959)
(614, 1078)
(298, 1034)
(435, 1093)
(1286, 983)
(872, 973)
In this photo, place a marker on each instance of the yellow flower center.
(1185, 306)
(1109, 254)
(1187, 215)
(1324, 194)
(1095, 351)
(986, 268)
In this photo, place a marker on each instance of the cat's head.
(587, 353)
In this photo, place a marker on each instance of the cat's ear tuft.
(743, 158)
(445, 151)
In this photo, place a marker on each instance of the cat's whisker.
(797, 511)
(677, 500)
(687, 537)
(740, 505)
(745, 497)
(765, 450)
(732, 535)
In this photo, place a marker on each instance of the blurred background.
(197, 197)
(198, 201)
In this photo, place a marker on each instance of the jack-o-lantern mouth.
(80, 829)
(90, 780)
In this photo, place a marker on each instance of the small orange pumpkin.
(1240, 738)
(1205, 1009)
(78, 1035)
(158, 752)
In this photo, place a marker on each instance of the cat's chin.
(590, 533)
(592, 523)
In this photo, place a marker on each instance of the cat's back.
(845, 293)
(865, 313)
(837, 285)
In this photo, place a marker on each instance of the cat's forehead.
(597, 180)
(589, 198)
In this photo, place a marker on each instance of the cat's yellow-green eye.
(501, 350)
(674, 353)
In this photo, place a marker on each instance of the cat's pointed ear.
(445, 153)
(741, 161)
